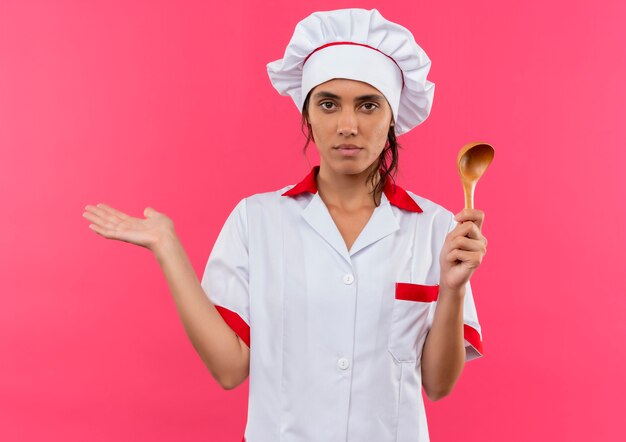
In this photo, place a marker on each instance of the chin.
(350, 168)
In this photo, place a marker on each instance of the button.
(348, 278)
(343, 363)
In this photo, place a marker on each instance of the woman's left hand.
(463, 250)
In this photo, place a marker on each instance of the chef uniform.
(336, 335)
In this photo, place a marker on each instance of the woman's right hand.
(113, 224)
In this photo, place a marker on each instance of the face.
(350, 121)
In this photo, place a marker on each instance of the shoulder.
(432, 210)
(270, 203)
(265, 198)
(434, 222)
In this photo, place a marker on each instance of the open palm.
(114, 224)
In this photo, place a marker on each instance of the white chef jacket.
(335, 335)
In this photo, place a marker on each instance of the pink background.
(167, 104)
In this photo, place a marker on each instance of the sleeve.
(225, 279)
(472, 332)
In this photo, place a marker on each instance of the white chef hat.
(357, 44)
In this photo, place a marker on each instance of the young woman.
(343, 295)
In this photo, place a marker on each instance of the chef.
(350, 293)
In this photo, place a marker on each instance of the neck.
(347, 191)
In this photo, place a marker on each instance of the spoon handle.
(468, 188)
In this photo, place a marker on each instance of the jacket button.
(343, 363)
(348, 278)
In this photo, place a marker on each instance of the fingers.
(474, 215)
(467, 234)
(99, 226)
(106, 214)
(149, 211)
(468, 229)
(105, 219)
(472, 259)
(111, 211)
(100, 231)
(468, 244)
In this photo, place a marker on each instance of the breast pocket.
(409, 319)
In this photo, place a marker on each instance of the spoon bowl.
(472, 161)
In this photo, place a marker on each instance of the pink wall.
(168, 104)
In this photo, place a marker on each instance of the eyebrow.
(372, 97)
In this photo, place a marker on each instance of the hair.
(387, 162)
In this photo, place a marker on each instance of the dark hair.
(387, 162)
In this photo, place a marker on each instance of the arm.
(443, 355)
(221, 350)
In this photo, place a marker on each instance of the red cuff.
(472, 336)
(235, 322)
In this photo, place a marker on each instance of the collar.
(394, 193)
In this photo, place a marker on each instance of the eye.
(327, 105)
(370, 106)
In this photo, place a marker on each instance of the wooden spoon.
(472, 161)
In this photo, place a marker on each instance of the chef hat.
(361, 45)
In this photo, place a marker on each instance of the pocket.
(409, 319)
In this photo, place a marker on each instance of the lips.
(348, 150)
(348, 147)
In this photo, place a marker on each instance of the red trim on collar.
(308, 184)
(394, 193)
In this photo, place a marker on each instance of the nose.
(347, 123)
